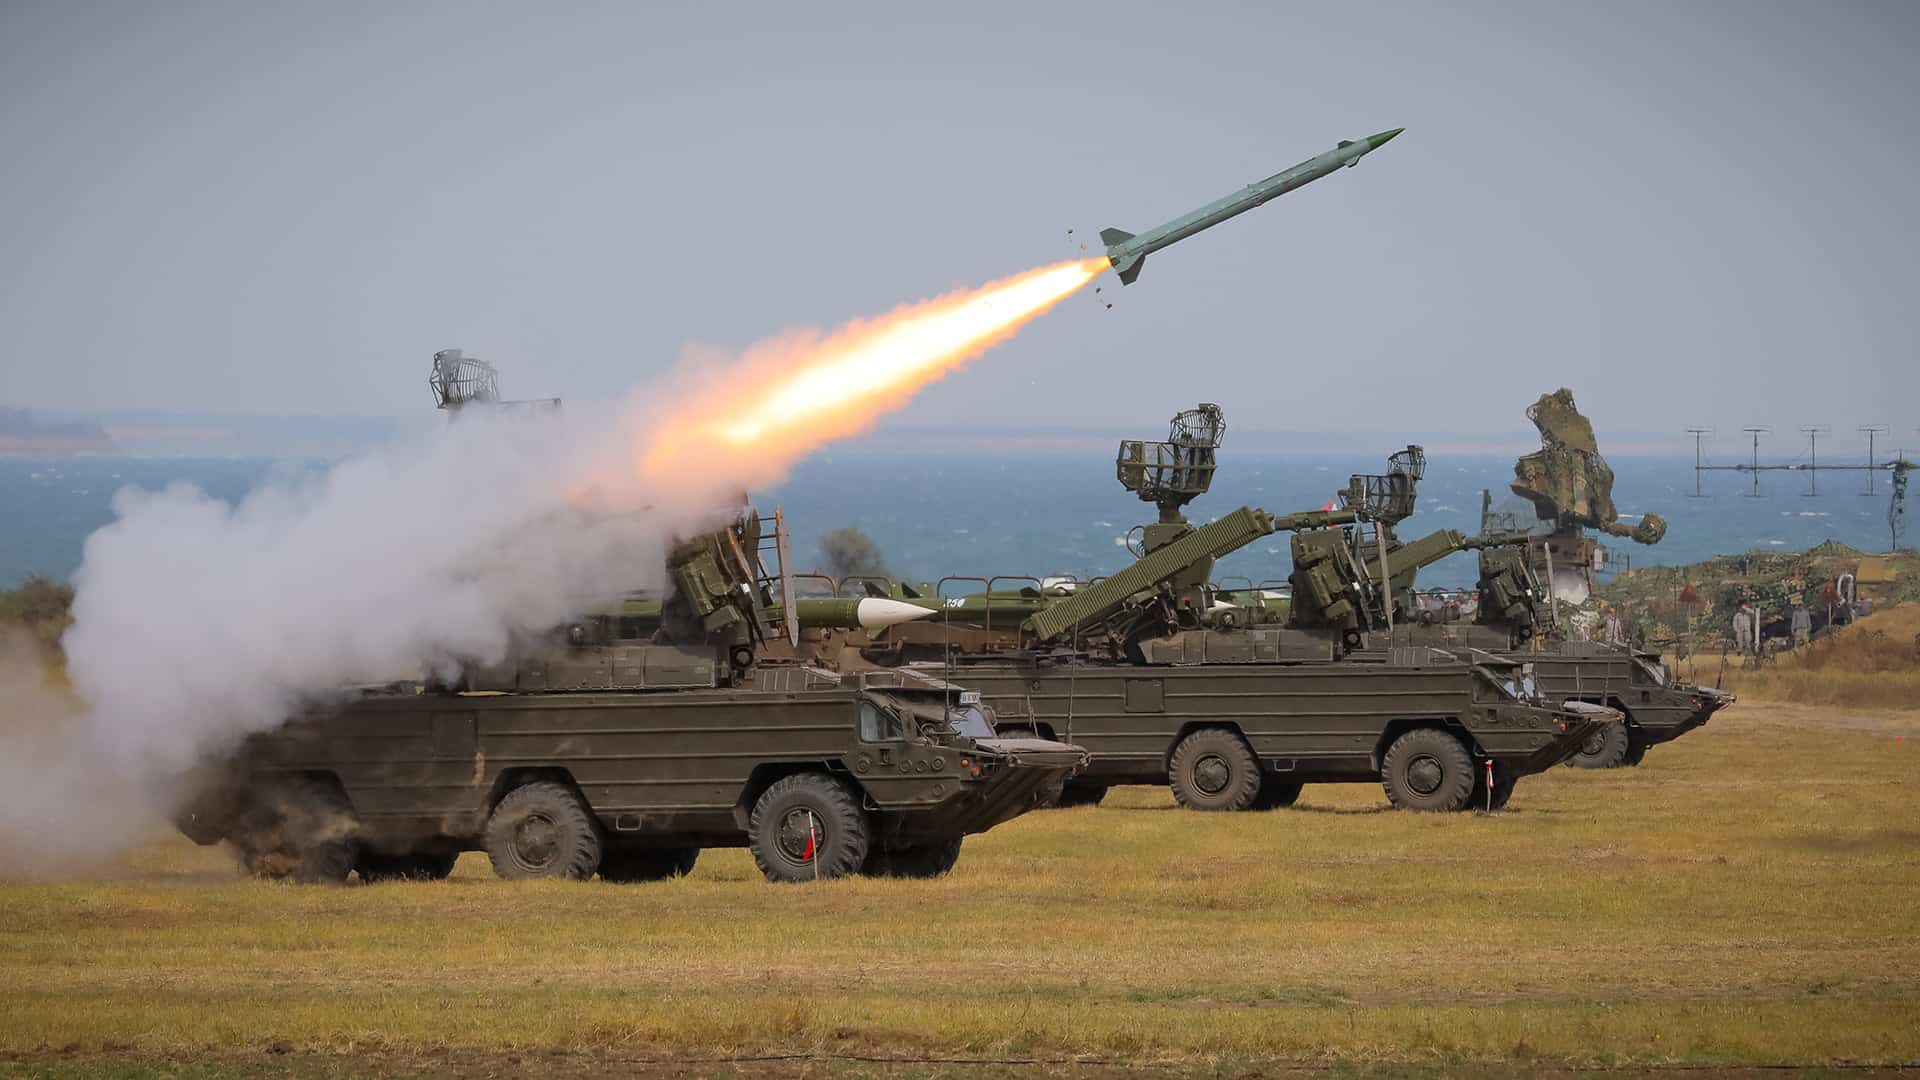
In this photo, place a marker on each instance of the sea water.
(1048, 512)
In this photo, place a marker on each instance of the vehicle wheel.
(1275, 793)
(1213, 769)
(626, 865)
(427, 866)
(542, 830)
(808, 828)
(1604, 749)
(1048, 797)
(1079, 794)
(1636, 751)
(301, 829)
(1428, 769)
(927, 860)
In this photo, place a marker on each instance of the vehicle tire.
(808, 827)
(627, 865)
(1276, 793)
(419, 866)
(1081, 794)
(541, 830)
(302, 829)
(1636, 751)
(931, 859)
(1428, 769)
(1214, 769)
(1048, 797)
(1606, 749)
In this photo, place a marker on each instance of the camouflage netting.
(1567, 480)
(1701, 598)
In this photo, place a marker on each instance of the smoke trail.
(197, 622)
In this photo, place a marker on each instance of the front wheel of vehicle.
(808, 827)
(930, 859)
(1636, 752)
(1081, 794)
(1428, 769)
(1214, 769)
(1604, 749)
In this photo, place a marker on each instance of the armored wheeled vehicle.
(1521, 590)
(1161, 683)
(1228, 725)
(585, 752)
(820, 775)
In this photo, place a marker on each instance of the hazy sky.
(1688, 212)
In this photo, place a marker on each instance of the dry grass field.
(1874, 662)
(1748, 897)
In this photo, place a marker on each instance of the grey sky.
(1688, 212)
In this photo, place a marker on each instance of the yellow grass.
(1750, 895)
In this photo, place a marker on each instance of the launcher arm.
(1092, 603)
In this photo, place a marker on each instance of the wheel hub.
(1424, 774)
(1595, 745)
(1210, 774)
(536, 841)
(800, 835)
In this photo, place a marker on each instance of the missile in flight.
(1127, 252)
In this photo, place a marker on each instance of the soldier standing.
(1802, 624)
(1743, 628)
(1613, 626)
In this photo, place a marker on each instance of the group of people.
(1746, 627)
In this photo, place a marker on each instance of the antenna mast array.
(1898, 466)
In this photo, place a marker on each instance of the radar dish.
(1570, 586)
(458, 379)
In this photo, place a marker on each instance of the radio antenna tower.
(1698, 461)
(1897, 467)
(1870, 431)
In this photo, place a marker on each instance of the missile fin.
(1111, 237)
(1129, 268)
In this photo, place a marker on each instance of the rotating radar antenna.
(1173, 473)
(459, 380)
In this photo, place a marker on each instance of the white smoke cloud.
(197, 621)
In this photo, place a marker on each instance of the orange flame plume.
(789, 395)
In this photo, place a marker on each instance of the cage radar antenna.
(459, 380)
(1897, 467)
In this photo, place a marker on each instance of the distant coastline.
(23, 436)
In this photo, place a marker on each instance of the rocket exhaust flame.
(805, 390)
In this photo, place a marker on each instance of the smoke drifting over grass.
(47, 792)
(197, 622)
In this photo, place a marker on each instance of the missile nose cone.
(1375, 142)
(875, 614)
